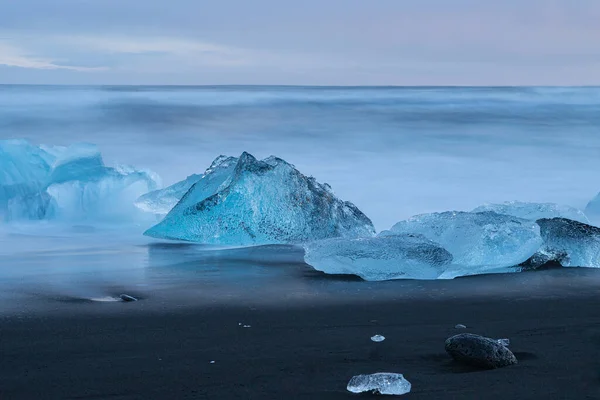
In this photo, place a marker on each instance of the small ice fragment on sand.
(246, 326)
(504, 342)
(460, 326)
(239, 324)
(379, 383)
(212, 362)
(105, 299)
(378, 338)
(126, 297)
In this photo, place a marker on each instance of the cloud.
(13, 56)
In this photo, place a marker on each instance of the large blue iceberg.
(41, 182)
(402, 256)
(245, 201)
(534, 211)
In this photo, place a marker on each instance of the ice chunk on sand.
(379, 383)
(571, 243)
(402, 256)
(483, 242)
(205, 185)
(378, 338)
(261, 202)
(534, 211)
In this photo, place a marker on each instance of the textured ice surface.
(379, 383)
(402, 256)
(504, 342)
(24, 170)
(534, 211)
(480, 243)
(592, 210)
(260, 202)
(162, 201)
(571, 243)
(85, 189)
(66, 182)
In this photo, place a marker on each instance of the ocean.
(393, 151)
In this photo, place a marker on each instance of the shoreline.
(161, 347)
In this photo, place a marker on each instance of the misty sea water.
(392, 151)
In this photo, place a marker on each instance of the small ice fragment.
(126, 297)
(212, 362)
(460, 326)
(504, 342)
(239, 324)
(105, 299)
(379, 383)
(378, 338)
(246, 326)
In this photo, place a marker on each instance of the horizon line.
(295, 85)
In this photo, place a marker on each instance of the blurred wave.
(393, 151)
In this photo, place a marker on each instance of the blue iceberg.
(534, 211)
(403, 256)
(250, 202)
(42, 182)
(483, 242)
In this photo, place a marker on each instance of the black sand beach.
(161, 349)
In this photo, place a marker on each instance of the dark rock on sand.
(479, 351)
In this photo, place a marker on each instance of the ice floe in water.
(260, 202)
(534, 211)
(482, 242)
(379, 383)
(380, 258)
(42, 182)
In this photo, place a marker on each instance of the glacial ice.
(23, 172)
(571, 243)
(592, 210)
(379, 383)
(534, 211)
(377, 338)
(252, 202)
(401, 256)
(43, 182)
(163, 200)
(484, 242)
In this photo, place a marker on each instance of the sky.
(308, 42)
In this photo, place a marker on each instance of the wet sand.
(162, 347)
